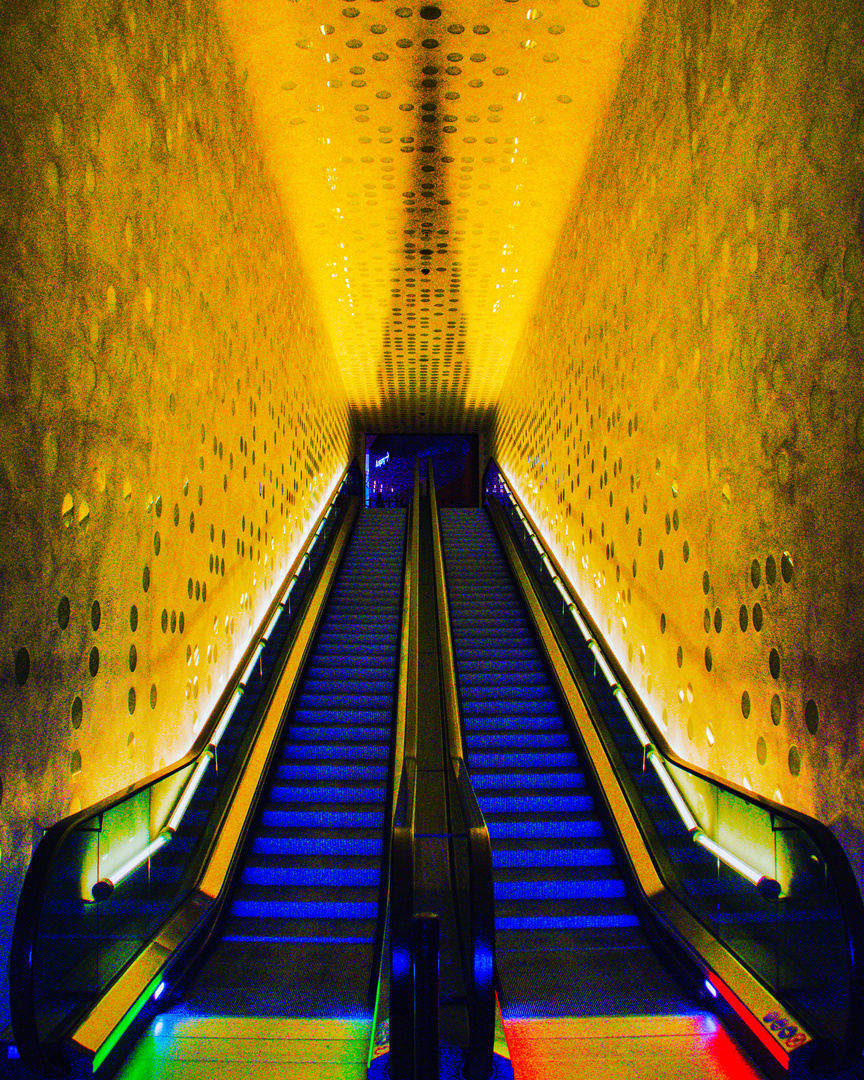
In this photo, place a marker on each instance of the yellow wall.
(685, 407)
(161, 355)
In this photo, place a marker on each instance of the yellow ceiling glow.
(426, 156)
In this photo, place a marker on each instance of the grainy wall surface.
(172, 416)
(684, 414)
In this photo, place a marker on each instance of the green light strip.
(124, 1025)
(375, 1014)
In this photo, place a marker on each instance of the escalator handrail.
(43, 861)
(401, 862)
(838, 865)
(397, 757)
(481, 947)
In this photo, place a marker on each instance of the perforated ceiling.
(426, 157)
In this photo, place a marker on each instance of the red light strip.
(750, 1020)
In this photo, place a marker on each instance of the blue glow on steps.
(565, 922)
(553, 777)
(297, 909)
(554, 870)
(288, 939)
(311, 867)
(311, 876)
(333, 819)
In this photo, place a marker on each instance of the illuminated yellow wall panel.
(683, 413)
(172, 418)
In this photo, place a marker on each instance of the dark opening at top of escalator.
(390, 468)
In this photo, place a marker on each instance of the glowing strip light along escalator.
(105, 886)
(767, 887)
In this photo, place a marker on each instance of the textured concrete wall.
(684, 415)
(172, 415)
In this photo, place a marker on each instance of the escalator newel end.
(426, 938)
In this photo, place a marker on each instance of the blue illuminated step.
(339, 699)
(347, 751)
(493, 633)
(311, 876)
(552, 777)
(522, 829)
(529, 759)
(317, 845)
(490, 740)
(300, 938)
(333, 770)
(535, 858)
(349, 793)
(479, 669)
(518, 701)
(334, 819)
(517, 719)
(323, 666)
(553, 889)
(371, 683)
(299, 909)
(517, 682)
(564, 922)
(357, 732)
(501, 654)
(535, 802)
(356, 639)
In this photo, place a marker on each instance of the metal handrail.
(658, 753)
(401, 905)
(394, 777)
(480, 954)
(39, 872)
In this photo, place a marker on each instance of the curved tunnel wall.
(684, 413)
(173, 417)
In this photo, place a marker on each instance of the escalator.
(644, 909)
(300, 923)
(569, 942)
(298, 934)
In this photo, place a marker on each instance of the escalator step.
(535, 802)
(489, 779)
(310, 876)
(520, 828)
(279, 930)
(358, 792)
(551, 888)
(517, 740)
(334, 819)
(534, 858)
(332, 770)
(318, 843)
